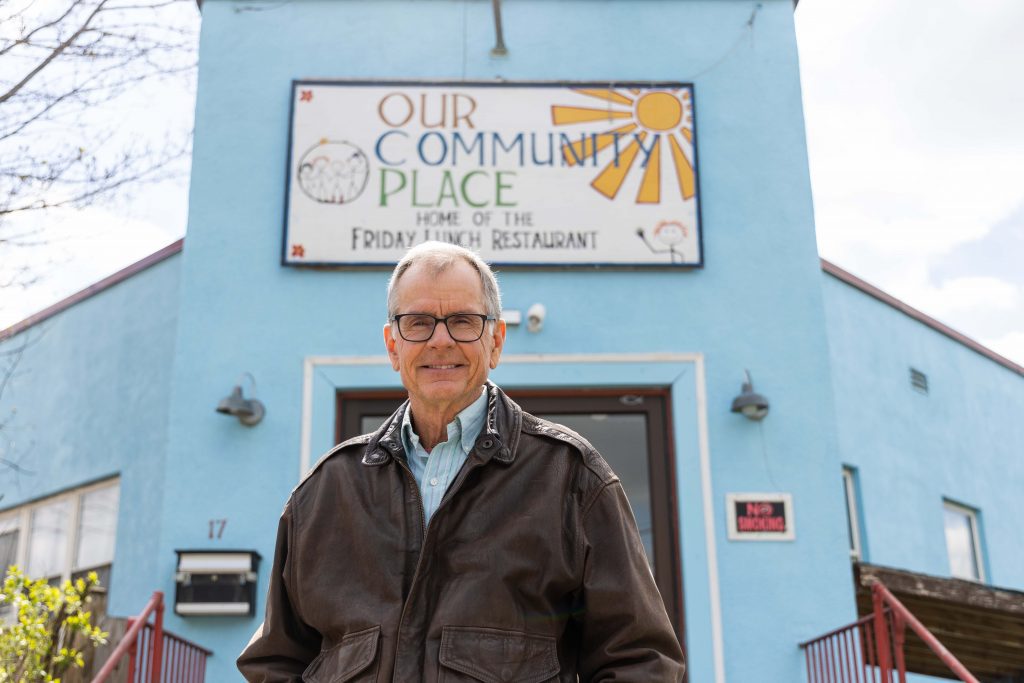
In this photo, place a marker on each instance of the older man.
(464, 540)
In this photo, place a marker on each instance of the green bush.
(46, 629)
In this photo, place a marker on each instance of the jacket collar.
(498, 438)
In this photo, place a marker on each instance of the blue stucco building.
(891, 440)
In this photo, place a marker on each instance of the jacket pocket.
(495, 655)
(344, 662)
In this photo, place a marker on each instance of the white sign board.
(523, 173)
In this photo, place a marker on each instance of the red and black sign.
(760, 516)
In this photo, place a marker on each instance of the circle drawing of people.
(333, 172)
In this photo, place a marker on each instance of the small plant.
(46, 629)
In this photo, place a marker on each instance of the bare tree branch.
(14, 466)
(85, 57)
(52, 56)
(27, 38)
(67, 67)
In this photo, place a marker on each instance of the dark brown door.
(631, 429)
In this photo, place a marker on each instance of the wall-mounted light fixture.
(249, 411)
(752, 405)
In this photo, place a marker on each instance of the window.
(63, 536)
(48, 538)
(963, 542)
(8, 541)
(852, 514)
(97, 529)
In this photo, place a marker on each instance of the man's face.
(441, 374)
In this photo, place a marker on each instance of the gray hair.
(439, 257)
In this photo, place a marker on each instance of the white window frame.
(23, 515)
(972, 517)
(852, 512)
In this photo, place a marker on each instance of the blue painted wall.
(88, 400)
(962, 441)
(91, 395)
(756, 305)
(96, 394)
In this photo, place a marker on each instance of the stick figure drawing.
(667, 233)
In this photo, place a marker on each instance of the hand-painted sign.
(525, 174)
(760, 516)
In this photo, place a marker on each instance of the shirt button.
(433, 482)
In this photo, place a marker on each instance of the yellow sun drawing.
(666, 114)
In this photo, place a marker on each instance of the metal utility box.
(216, 582)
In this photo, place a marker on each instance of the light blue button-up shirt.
(435, 471)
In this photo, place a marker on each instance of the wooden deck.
(983, 626)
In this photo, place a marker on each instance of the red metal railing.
(156, 655)
(870, 650)
(844, 655)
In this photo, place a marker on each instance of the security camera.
(535, 317)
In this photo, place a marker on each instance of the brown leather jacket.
(531, 570)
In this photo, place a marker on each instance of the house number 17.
(217, 528)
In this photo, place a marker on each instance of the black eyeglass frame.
(483, 316)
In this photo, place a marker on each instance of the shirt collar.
(465, 427)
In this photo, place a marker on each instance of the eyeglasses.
(463, 327)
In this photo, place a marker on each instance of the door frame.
(684, 372)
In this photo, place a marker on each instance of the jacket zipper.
(424, 528)
(423, 538)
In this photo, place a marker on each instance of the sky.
(913, 111)
(916, 152)
(68, 249)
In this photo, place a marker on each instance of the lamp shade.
(749, 403)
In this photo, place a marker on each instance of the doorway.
(632, 430)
